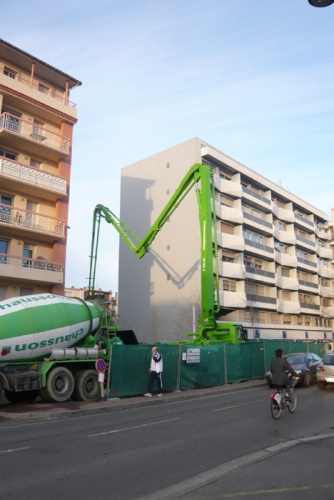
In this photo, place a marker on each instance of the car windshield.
(296, 360)
(328, 360)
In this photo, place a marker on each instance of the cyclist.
(279, 368)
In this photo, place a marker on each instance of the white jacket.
(156, 363)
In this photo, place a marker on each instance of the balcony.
(286, 237)
(326, 272)
(32, 181)
(325, 253)
(29, 137)
(232, 189)
(259, 275)
(23, 221)
(232, 300)
(284, 259)
(287, 283)
(283, 214)
(304, 222)
(229, 214)
(22, 268)
(49, 97)
(306, 308)
(302, 242)
(323, 232)
(261, 301)
(231, 242)
(256, 199)
(231, 270)
(288, 307)
(306, 264)
(256, 223)
(259, 249)
(308, 286)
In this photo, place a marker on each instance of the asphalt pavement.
(49, 411)
(249, 476)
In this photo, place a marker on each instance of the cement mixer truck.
(49, 347)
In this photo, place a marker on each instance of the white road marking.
(134, 427)
(15, 449)
(236, 406)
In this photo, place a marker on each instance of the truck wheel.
(59, 384)
(86, 386)
(21, 397)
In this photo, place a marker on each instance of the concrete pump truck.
(209, 330)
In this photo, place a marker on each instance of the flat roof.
(12, 53)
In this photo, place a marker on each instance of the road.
(223, 445)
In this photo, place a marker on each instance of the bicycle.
(280, 401)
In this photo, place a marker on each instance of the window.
(227, 257)
(28, 251)
(229, 286)
(10, 72)
(248, 235)
(7, 154)
(287, 319)
(34, 163)
(43, 88)
(3, 251)
(285, 272)
(38, 131)
(5, 211)
(3, 292)
(281, 226)
(26, 291)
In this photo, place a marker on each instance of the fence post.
(225, 364)
(178, 382)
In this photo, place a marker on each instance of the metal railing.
(256, 195)
(18, 126)
(20, 172)
(39, 263)
(31, 220)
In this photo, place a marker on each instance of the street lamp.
(320, 3)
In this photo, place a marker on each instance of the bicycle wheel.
(276, 410)
(292, 402)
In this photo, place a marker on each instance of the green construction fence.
(194, 367)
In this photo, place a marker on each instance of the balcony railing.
(39, 263)
(260, 272)
(29, 175)
(50, 92)
(306, 262)
(258, 220)
(31, 220)
(256, 195)
(303, 219)
(305, 240)
(28, 130)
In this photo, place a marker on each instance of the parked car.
(305, 364)
(325, 372)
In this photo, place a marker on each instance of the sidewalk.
(49, 411)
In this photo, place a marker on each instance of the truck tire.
(86, 386)
(21, 397)
(59, 384)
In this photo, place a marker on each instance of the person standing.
(155, 373)
(279, 368)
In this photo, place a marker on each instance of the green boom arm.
(203, 176)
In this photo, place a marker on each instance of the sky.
(253, 78)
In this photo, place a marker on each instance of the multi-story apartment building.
(275, 258)
(36, 125)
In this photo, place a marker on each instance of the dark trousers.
(154, 376)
